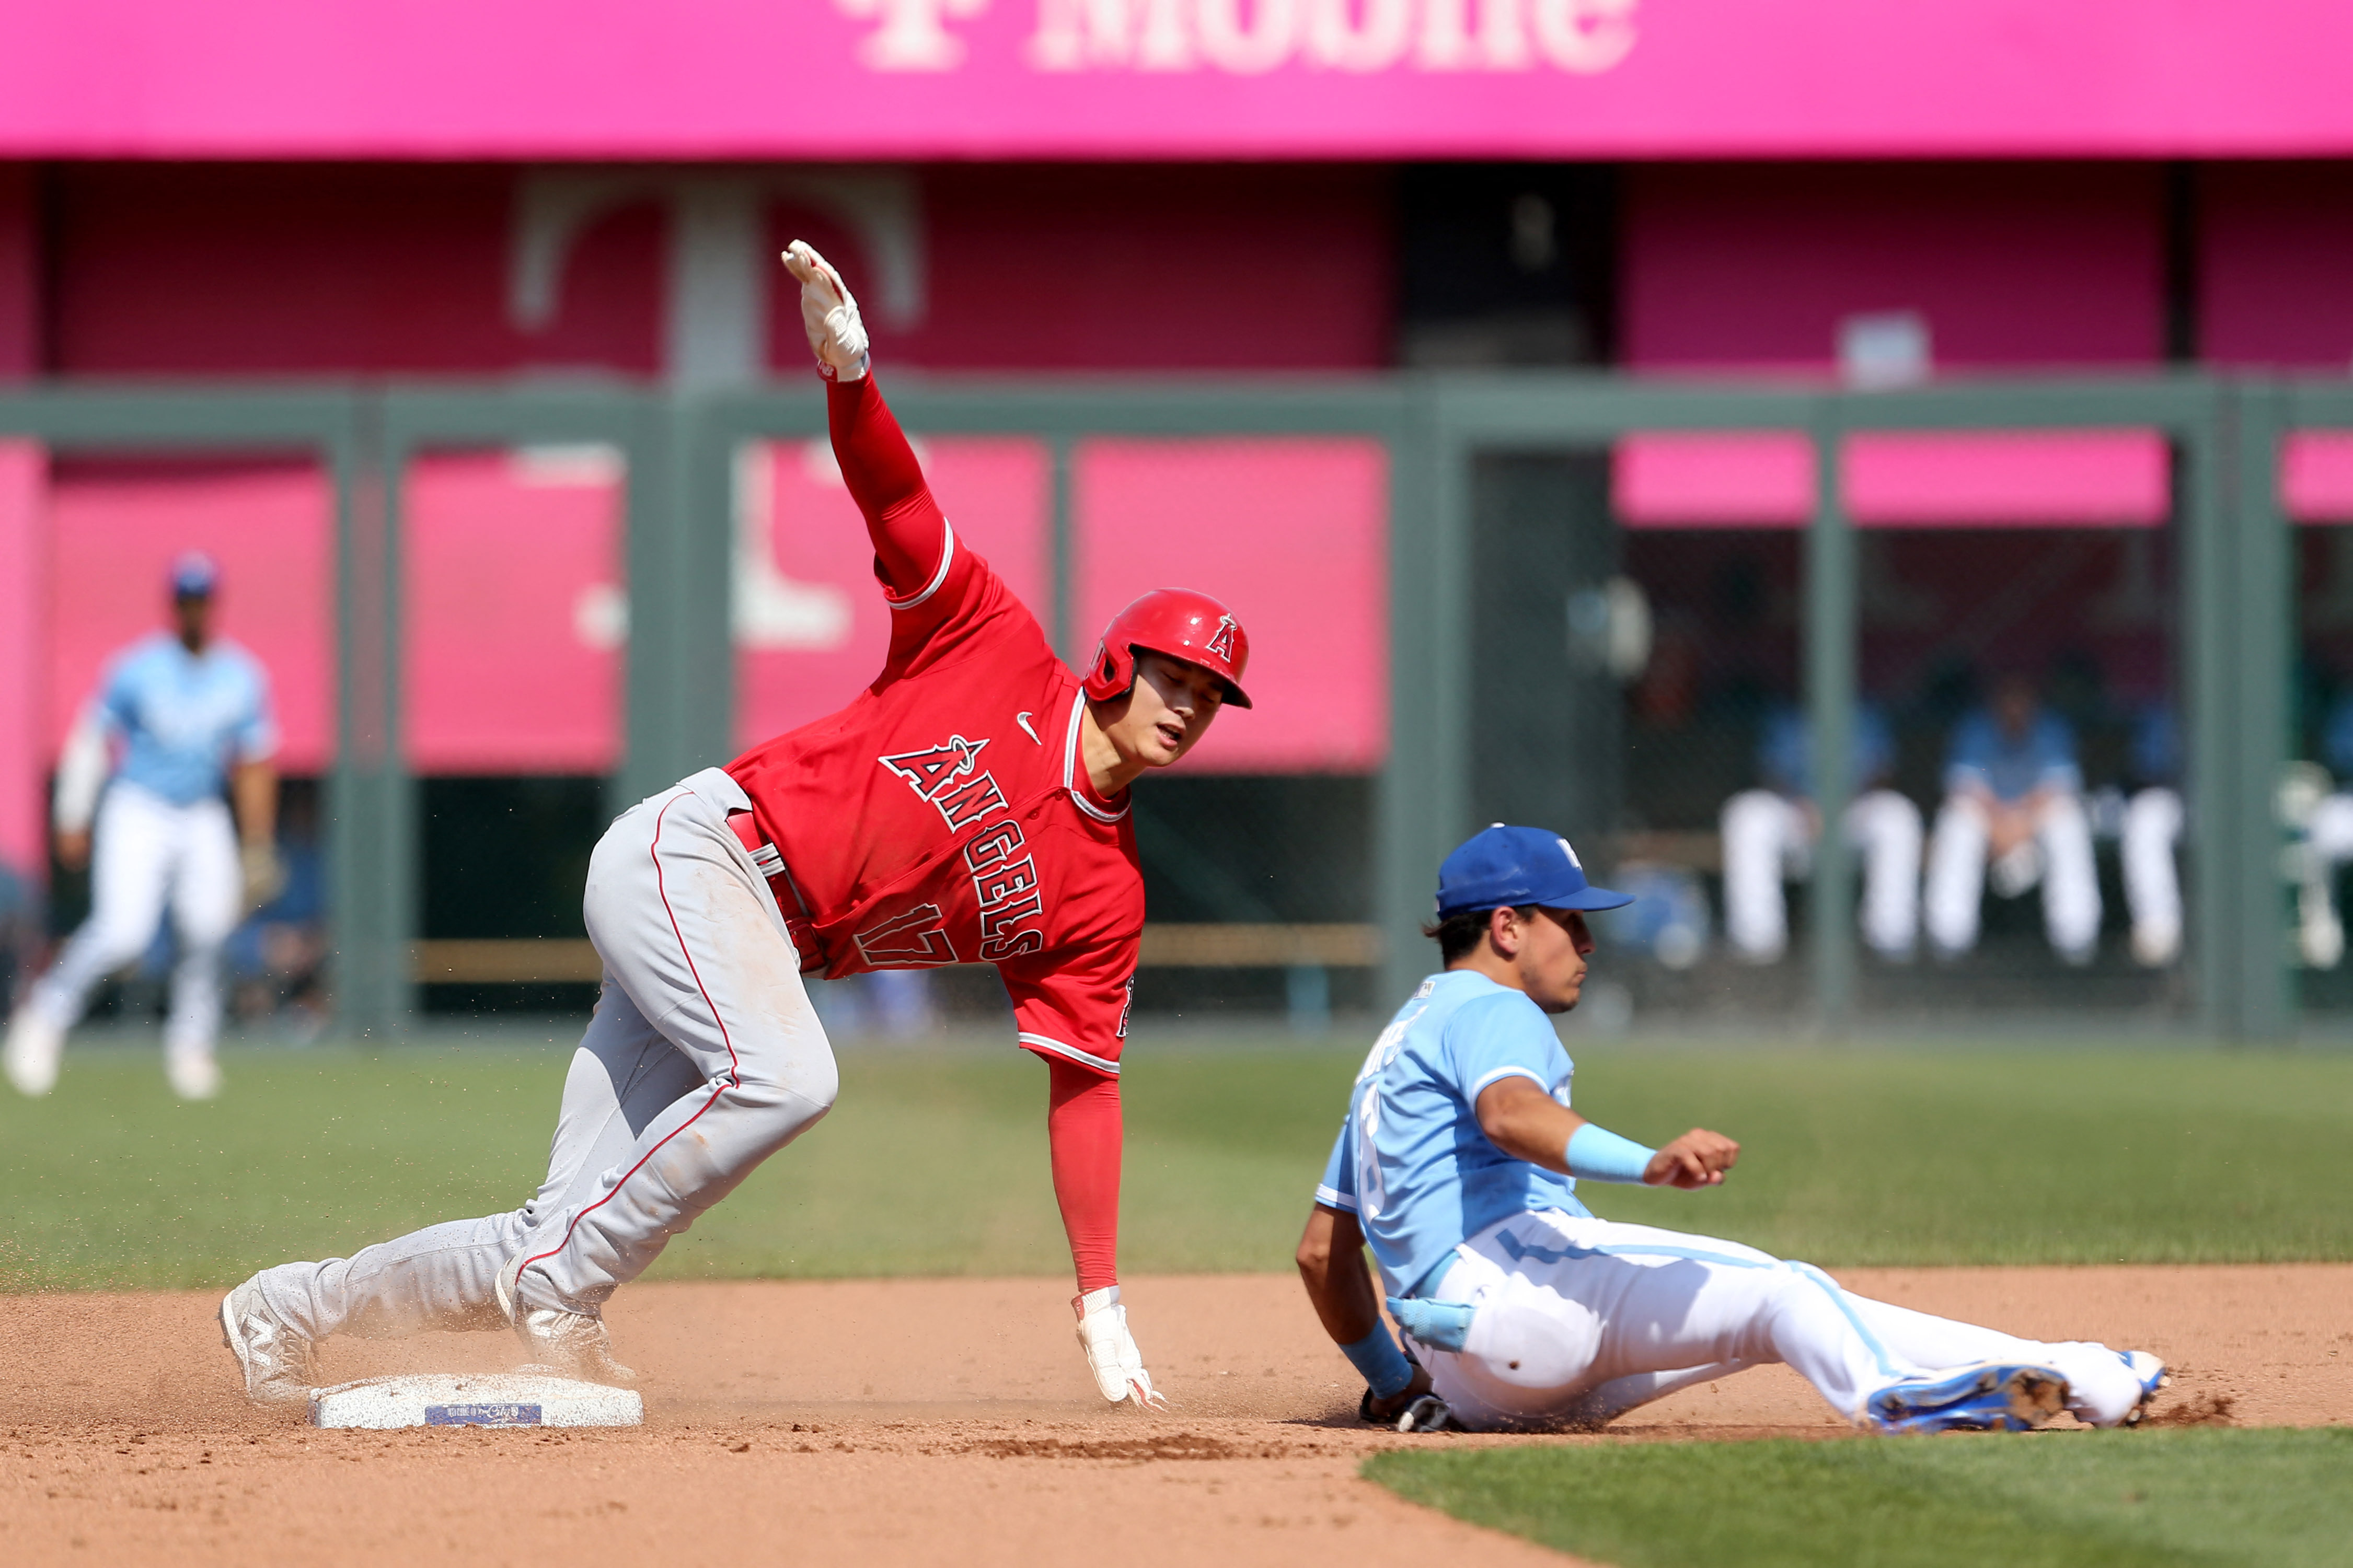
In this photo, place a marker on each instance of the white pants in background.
(703, 1058)
(144, 850)
(1581, 1319)
(1768, 838)
(2327, 845)
(2152, 829)
(2060, 858)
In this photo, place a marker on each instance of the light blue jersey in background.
(1411, 1162)
(1982, 754)
(184, 718)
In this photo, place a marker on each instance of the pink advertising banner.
(1176, 79)
(2003, 478)
(1292, 532)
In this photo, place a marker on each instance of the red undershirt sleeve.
(1083, 1125)
(906, 524)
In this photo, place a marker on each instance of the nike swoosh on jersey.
(1022, 719)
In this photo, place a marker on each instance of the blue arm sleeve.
(1385, 1370)
(1602, 1155)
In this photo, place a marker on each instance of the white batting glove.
(264, 874)
(828, 313)
(1111, 1350)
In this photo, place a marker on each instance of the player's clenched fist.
(1697, 1159)
(1111, 1350)
(828, 313)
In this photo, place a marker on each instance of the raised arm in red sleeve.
(907, 526)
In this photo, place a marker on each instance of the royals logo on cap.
(1517, 866)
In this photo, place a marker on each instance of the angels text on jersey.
(1004, 879)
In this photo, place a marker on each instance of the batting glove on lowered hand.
(264, 875)
(1111, 1350)
(828, 313)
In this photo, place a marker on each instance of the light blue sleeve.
(1499, 1037)
(1969, 760)
(2055, 754)
(117, 704)
(1875, 746)
(1338, 1188)
(1783, 754)
(256, 736)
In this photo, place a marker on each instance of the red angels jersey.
(944, 816)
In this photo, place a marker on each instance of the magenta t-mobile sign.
(1250, 37)
(1086, 78)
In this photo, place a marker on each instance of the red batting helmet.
(1182, 625)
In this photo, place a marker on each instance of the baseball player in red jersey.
(969, 807)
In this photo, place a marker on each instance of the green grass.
(2147, 1499)
(936, 1162)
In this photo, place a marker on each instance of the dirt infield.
(920, 1421)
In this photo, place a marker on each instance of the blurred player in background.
(1769, 835)
(179, 717)
(1459, 1161)
(2014, 798)
(971, 806)
(2150, 834)
(2324, 815)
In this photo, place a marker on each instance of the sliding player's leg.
(623, 1075)
(688, 929)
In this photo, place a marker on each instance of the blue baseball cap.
(1518, 865)
(195, 575)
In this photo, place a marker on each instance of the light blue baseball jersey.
(1982, 754)
(1411, 1162)
(184, 718)
(1784, 750)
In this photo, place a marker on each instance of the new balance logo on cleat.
(1990, 1396)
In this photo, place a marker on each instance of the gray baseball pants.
(703, 1058)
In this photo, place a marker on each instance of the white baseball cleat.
(276, 1362)
(194, 1074)
(576, 1344)
(2152, 1376)
(1990, 1396)
(34, 1047)
(1111, 1350)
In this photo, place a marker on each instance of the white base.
(529, 1397)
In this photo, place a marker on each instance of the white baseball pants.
(2071, 883)
(1581, 1319)
(2152, 828)
(144, 850)
(1768, 838)
(703, 1058)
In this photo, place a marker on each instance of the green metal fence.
(680, 449)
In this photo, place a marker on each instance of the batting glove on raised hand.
(1111, 1350)
(829, 314)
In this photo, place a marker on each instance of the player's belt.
(770, 861)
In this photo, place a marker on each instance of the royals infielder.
(188, 714)
(969, 807)
(1459, 1161)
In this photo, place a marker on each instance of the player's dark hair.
(1458, 935)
